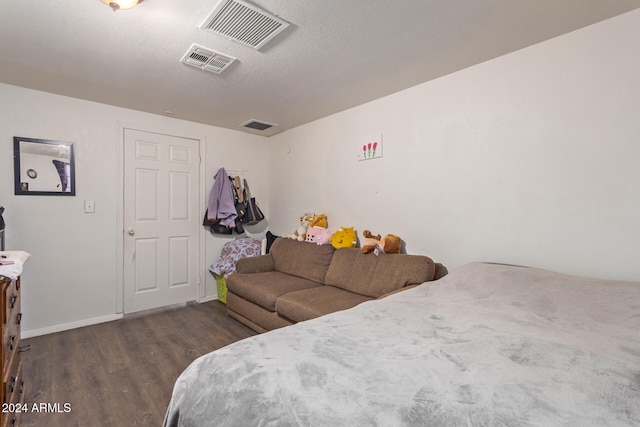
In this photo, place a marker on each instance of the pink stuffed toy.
(318, 235)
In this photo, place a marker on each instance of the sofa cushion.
(302, 259)
(257, 318)
(310, 303)
(264, 288)
(374, 276)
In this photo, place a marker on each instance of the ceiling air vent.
(244, 23)
(257, 125)
(206, 59)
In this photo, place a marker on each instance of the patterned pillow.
(232, 252)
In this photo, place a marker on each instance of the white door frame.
(120, 208)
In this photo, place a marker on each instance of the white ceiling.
(336, 54)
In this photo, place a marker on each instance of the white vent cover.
(244, 23)
(207, 59)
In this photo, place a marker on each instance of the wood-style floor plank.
(121, 373)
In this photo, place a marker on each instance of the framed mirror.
(43, 167)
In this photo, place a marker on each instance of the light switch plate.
(89, 206)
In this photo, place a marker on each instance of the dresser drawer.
(14, 315)
(12, 384)
(11, 295)
(12, 391)
(11, 321)
(13, 395)
(10, 342)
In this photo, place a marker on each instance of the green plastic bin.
(222, 288)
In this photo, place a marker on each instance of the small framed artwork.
(370, 148)
(43, 167)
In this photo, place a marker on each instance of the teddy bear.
(301, 232)
(344, 238)
(392, 244)
(318, 221)
(369, 242)
(317, 235)
(389, 244)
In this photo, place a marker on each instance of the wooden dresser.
(12, 383)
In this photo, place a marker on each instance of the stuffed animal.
(301, 232)
(389, 244)
(318, 235)
(344, 238)
(318, 221)
(369, 242)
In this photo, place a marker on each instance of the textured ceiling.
(336, 54)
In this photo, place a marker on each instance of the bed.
(487, 345)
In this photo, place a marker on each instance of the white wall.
(71, 279)
(531, 158)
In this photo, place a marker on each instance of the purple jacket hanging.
(221, 202)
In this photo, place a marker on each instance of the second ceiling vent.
(206, 59)
(244, 23)
(258, 125)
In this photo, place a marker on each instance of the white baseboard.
(66, 326)
(207, 299)
(24, 334)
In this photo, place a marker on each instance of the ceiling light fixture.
(121, 4)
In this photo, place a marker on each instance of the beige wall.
(531, 158)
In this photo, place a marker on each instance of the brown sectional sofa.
(299, 281)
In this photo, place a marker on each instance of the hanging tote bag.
(238, 198)
(215, 226)
(241, 207)
(253, 213)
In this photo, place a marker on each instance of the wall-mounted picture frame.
(43, 167)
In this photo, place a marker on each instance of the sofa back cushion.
(374, 276)
(302, 259)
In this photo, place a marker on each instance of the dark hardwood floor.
(120, 373)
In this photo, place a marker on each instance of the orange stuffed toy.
(318, 221)
(301, 232)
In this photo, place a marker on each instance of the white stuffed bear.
(301, 232)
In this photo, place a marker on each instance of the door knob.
(131, 231)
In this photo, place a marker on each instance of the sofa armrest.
(404, 288)
(440, 272)
(256, 264)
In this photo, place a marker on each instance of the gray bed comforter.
(487, 345)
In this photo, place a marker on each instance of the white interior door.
(161, 220)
